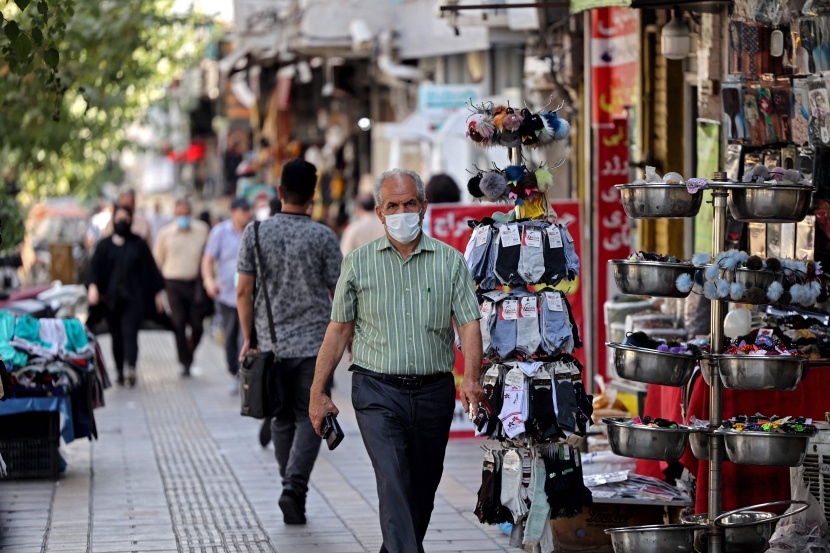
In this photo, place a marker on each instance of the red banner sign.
(615, 80)
(448, 223)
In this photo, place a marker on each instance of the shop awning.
(578, 6)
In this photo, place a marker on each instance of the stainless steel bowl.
(770, 204)
(770, 449)
(752, 538)
(659, 201)
(662, 538)
(651, 366)
(645, 442)
(761, 372)
(699, 442)
(650, 278)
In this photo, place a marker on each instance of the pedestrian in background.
(365, 227)
(124, 279)
(398, 298)
(141, 227)
(442, 189)
(178, 253)
(219, 276)
(299, 270)
(157, 220)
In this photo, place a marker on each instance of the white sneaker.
(234, 386)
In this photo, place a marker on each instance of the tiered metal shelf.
(714, 531)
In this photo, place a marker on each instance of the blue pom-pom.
(721, 256)
(514, 173)
(736, 291)
(560, 128)
(742, 257)
(684, 283)
(710, 291)
(729, 262)
(701, 258)
(712, 272)
(797, 293)
(774, 291)
(723, 288)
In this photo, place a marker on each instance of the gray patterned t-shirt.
(302, 262)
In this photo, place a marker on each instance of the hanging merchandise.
(536, 405)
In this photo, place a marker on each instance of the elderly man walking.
(398, 297)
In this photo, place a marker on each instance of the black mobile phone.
(331, 431)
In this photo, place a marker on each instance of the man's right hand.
(319, 406)
(212, 289)
(246, 349)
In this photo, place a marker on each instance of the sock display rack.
(747, 529)
(537, 409)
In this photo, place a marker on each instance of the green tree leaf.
(42, 7)
(23, 45)
(37, 36)
(51, 57)
(12, 30)
(21, 4)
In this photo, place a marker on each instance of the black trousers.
(185, 312)
(233, 336)
(124, 321)
(405, 432)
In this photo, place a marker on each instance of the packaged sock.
(507, 261)
(573, 326)
(531, 256)
(528, 338)
(555, 330)
(503, 334)
(477, 250)
(510, 414)
(567, 407)
(571, 259)
(487, 311)
(556, 267)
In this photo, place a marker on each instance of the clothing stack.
(537, 406)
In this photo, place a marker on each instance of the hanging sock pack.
(531, 258)
(512, 408)
(509, 251)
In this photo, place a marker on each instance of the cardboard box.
(585, 533)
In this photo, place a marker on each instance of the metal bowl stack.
(751, 538)
(774, 203)
(749, 278)
(663, 538)
(650, 278)
(659, 201)
(652, 366)
(770, 449)
(761, 372)
(646, 442)
(699, 442)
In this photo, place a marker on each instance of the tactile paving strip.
(210, 512)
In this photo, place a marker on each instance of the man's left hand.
(471, 395)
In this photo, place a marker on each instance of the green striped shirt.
(403, 309)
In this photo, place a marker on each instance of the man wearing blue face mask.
(178, 252)
(398, 298)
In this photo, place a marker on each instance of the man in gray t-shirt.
(301, 264)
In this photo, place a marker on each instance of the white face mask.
(404, 227)
(262, 213)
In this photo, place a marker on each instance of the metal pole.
(716, 535)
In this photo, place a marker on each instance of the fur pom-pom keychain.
(773, 264)
(513, 173)
(555, 128)
(722, 287)
(712, 272)
(754, 263)
(528, 185)
(512, 120)
(544, 180)
(499, 113)
(530, 128)
(755, 295)
(684, 283)
(493, 185)
(710, 291)
(474, 186)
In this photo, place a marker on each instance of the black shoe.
(265, 432)
(186, 371)
(293, 507)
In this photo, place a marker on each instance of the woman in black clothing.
(125, 281)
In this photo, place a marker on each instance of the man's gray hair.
(420, 191)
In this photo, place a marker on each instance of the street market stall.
(51, 380)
